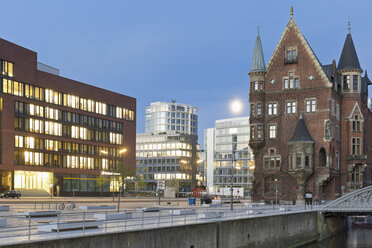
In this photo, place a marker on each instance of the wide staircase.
(34, 192)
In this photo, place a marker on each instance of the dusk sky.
(195, 52)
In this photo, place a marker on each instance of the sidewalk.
(28, 199)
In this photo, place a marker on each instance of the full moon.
(236, 106)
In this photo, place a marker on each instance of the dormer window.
(346, 81)
(291, 55)
(355, 82)
(356, 124)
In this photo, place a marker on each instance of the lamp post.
(232, 176)
(121, 187)
(121, 151)
(236, 107)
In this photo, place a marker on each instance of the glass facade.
(165, 157)
(231, 154)
(167, 117)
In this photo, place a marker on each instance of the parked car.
(12, 193)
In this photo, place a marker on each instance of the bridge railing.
(15, 228)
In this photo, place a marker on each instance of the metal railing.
(77, 223)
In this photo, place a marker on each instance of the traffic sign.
(161, 184)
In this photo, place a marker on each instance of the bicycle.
(68, 205)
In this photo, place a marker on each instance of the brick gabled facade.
(309, 122)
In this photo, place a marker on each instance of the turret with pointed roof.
(349, 58)
(258, 61)
(301, 133)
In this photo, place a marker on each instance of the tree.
(101, 180)
(53, 182)
(124, 172)
(141, 184)
(175, 185)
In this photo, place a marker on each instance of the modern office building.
(167, 117)
(310, 122)
(228, 155)
(168, 150)
(54, 127)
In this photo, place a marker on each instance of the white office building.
(168, 150)
(228, 155)
(166, 117)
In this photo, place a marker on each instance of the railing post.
(29, 226)
(58, 225)
(159, 219)
(143, 214)
(105, 221)
(125, 220)
(84, 222)
(172, 218)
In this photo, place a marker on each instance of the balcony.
(356, 157)
(290, 61)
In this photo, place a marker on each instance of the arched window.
(322, 157)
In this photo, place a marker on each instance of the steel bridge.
(355, 203)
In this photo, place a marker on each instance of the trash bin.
(192, 201)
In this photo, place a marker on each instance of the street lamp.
(120, 188)
(236, 107)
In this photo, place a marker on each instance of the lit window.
(119, 112)
(272, 131)
(310, 106)
(291, 107)
(355, 146)
(272, 109)
(346, 80)
(18, 141)
(7, 68)
(34, 158)
(36, 126)
(356, 124)
(30, 142)
(104, 164)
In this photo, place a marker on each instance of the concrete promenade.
(216, 226)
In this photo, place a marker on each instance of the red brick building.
(310, 123)
(54, 127)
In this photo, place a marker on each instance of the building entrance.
(33, 180)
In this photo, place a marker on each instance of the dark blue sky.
(196, 52)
